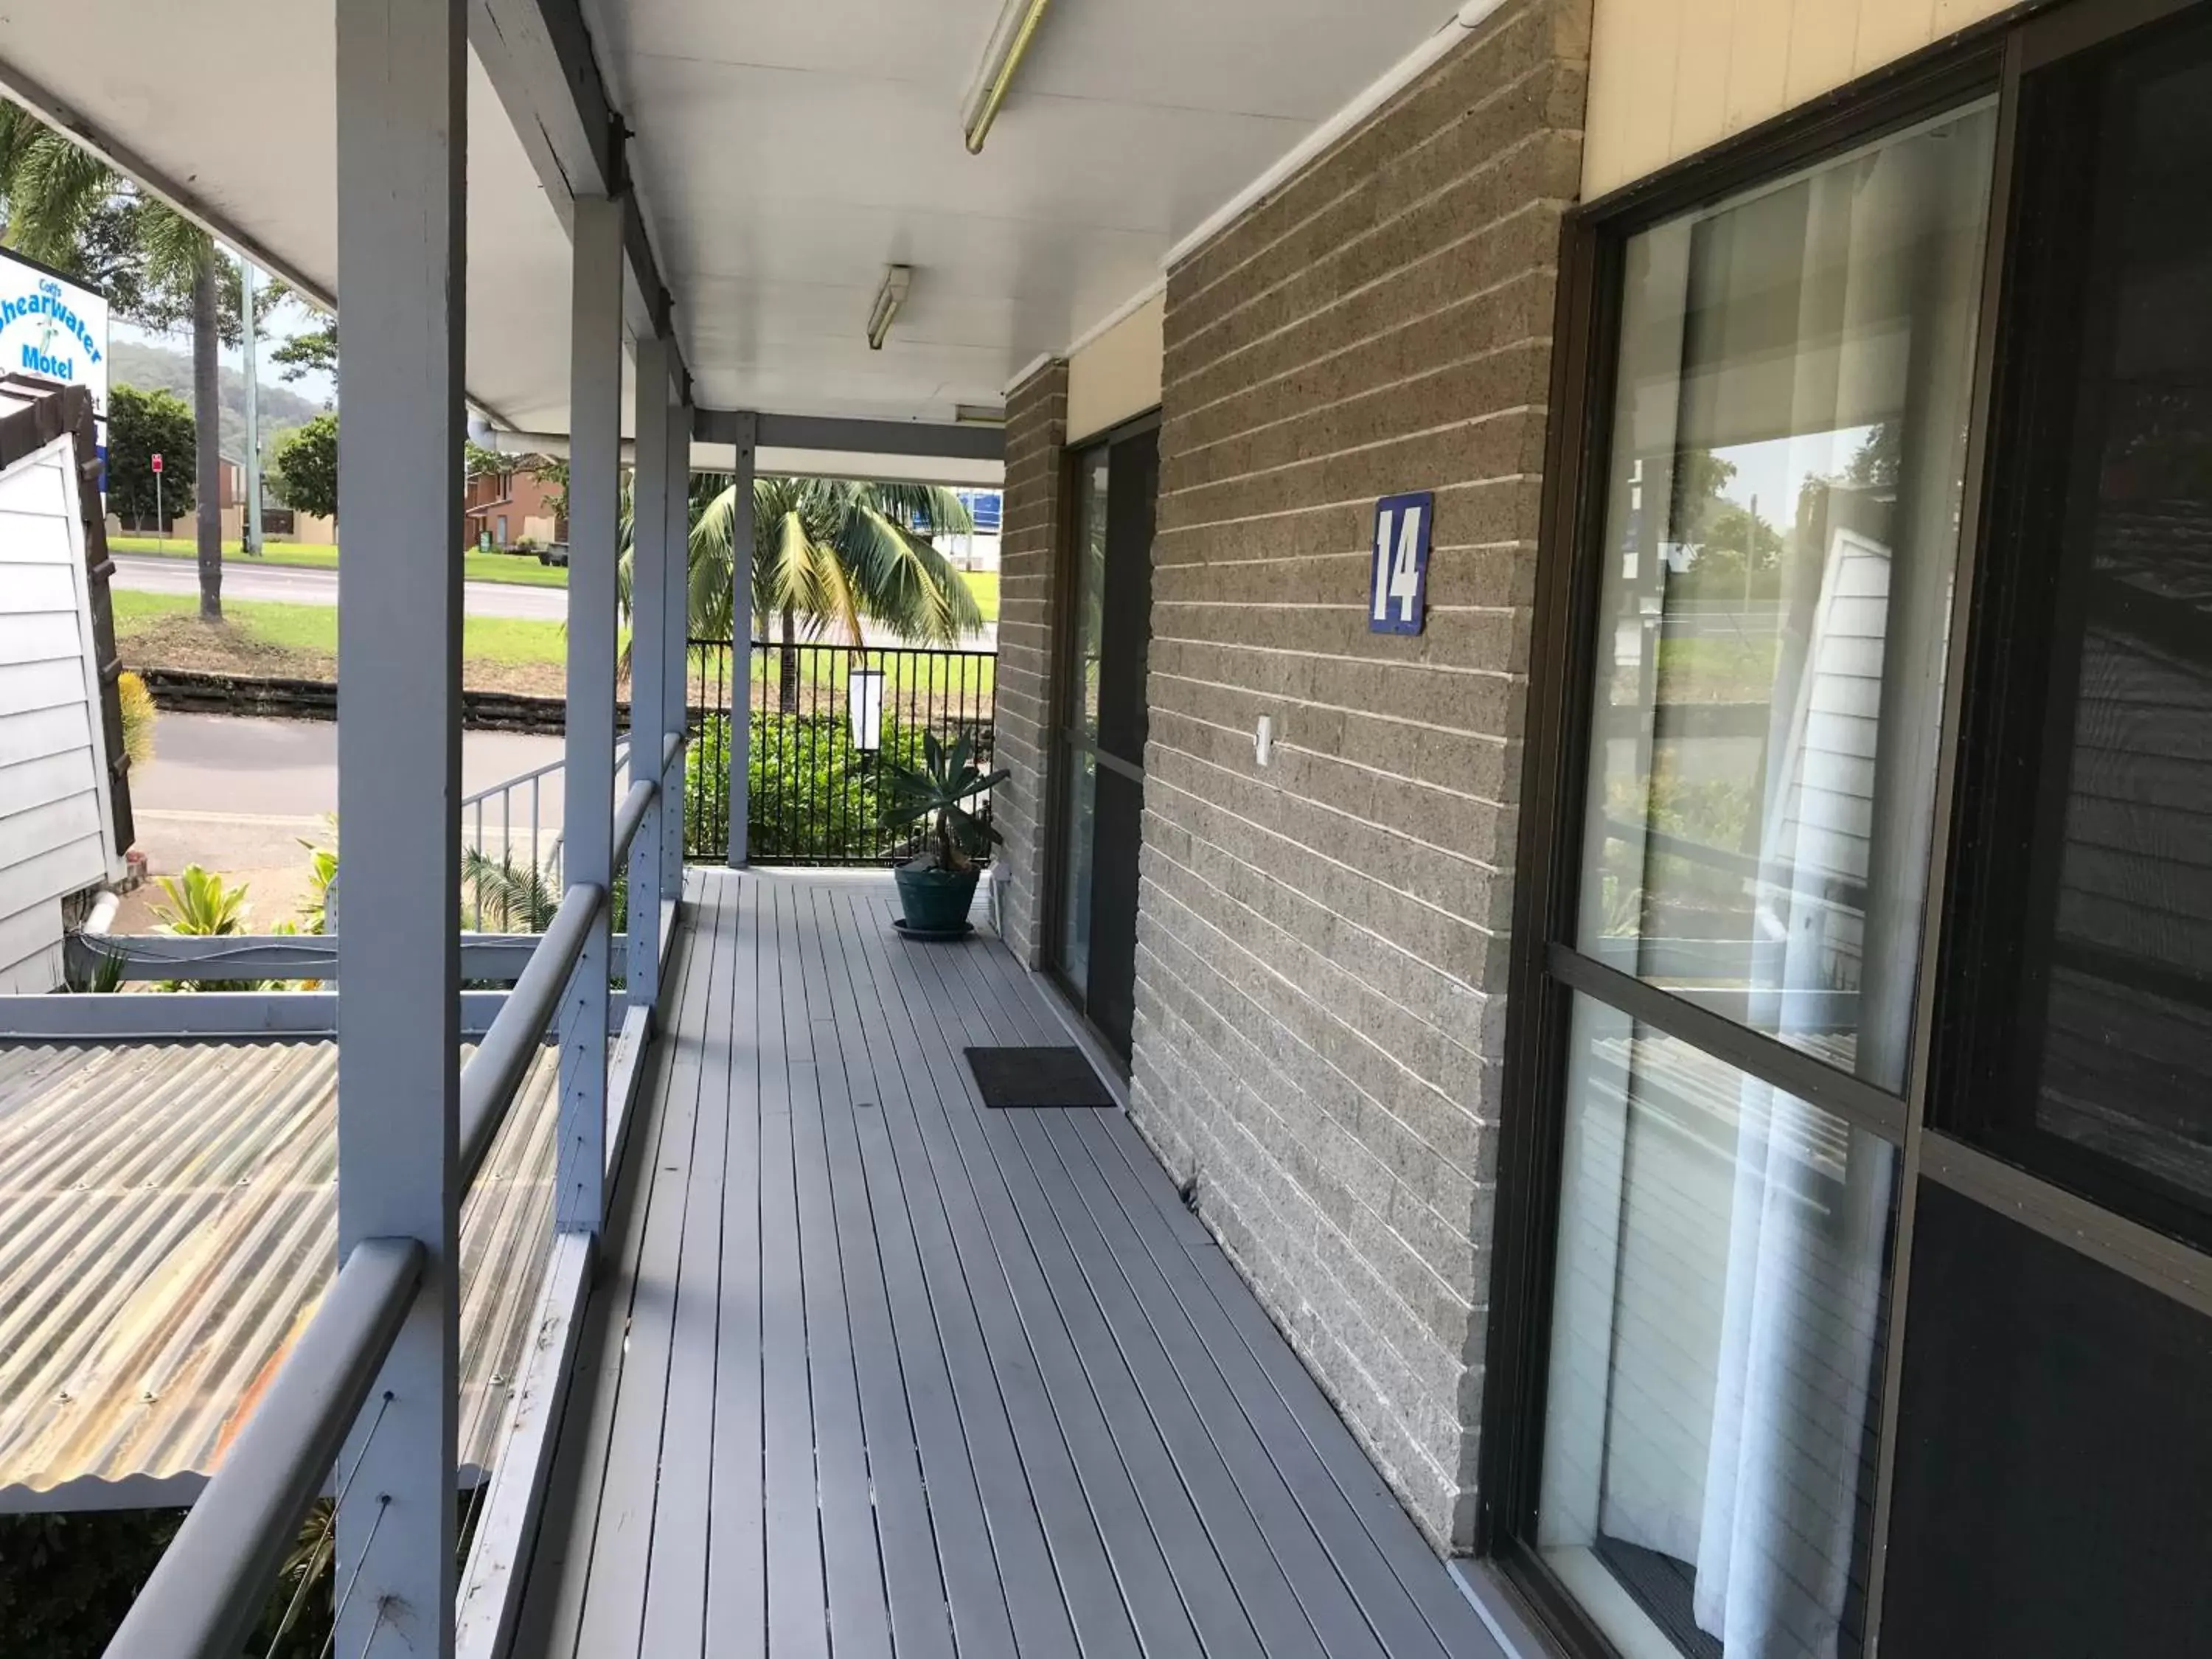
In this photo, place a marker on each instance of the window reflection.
(1790, 450)
(1716, 1331)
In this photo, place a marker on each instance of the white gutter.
(1120, 313)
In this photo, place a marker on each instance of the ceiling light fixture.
(889, 298)
(979, 414)
(1009, 40)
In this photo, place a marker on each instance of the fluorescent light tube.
(1009, 40)
(889, 298)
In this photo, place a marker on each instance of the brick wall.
(1036, 429)
(1321, 962)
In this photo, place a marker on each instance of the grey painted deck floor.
(877, 1371)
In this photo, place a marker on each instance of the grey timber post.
(648, 645)
(594, 464)
(678, 617)
(402, 141)
(741, 641)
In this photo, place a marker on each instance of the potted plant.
(937, 887)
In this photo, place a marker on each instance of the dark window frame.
(1062, 623)
(1546, 970)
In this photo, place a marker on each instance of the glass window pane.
(1090, 594)
(1715, 1345)
(2098, 860)
(2053, 1452)
(1789, 437)
(1077, 857)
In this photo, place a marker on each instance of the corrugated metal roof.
(168, 1222)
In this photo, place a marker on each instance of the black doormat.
(1036, 1077)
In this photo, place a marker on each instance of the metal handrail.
(631, 814)
(209, 1585)
(494, 1074)
(622, 752)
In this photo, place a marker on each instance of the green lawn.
(1717, 669)
(969, 682)
(517, 569)
(984, 585)
(314, 628)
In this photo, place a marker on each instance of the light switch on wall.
(1263, 740)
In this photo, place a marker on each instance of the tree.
(1735, 540)
(307, 468)
(69, 207)
(140, 426)
(314, 351)
(828, 554)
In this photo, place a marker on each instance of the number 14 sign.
(1399, 601)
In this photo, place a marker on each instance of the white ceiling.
(785, 152)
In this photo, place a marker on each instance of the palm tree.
(828, 555)
(59, 199)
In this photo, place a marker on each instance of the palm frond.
(176, 250)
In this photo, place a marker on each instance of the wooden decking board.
(1443, 1607)
(676, 1570)
(560, 1571)
(940, 1580)
(797, 1594)
(736, 1592)
(967, 1427)
(1330, 1607)
(615, 1601)
(873, 1372)
(1267, 1599)
(1360, 1562)
(1094, 1595)
(852, 1561)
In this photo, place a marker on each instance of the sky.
(285, 322)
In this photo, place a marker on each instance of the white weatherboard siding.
(56, 824)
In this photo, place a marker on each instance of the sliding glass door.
(1100, 733)
(1855, 1194)
(1787, 459)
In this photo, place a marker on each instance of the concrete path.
(148, 573)
(239, 796)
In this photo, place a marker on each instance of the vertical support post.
(402, 141)
(249, 526)
(741, 643)
(648, 645)
(677, 616)
(587, 828)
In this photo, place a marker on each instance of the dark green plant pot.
(936, 901)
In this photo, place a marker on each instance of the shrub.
(814, 798)
(137, 703)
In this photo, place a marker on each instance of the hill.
(151, 368)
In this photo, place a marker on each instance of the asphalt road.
(243, 579)
(239, 796)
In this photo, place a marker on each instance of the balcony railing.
(207, 1592)
(827, 720)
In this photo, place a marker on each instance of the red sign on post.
(157, 463)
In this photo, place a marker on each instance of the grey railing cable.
(210, 1584)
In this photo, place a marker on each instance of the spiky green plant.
(520, 897)
(934, 796)
(203, 905)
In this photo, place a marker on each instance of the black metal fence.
(826, 721)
